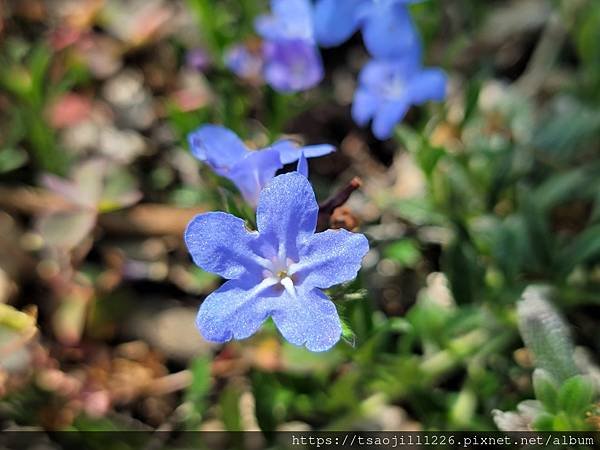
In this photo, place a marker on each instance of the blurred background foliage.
(483, 214)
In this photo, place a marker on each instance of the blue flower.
(198, 59)
(249, 170)
(290, 20)
(245, 63)
(387, 28)
(278, 271)
(292, 59)
(387, 89)
(292, 65)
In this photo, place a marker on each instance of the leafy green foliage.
(26, 80)
(479, 291)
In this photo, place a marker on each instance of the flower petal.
(234, 311)
(287, 214)
(389, 31)
(252, 173)
(314, 151)
(290, 152)
(217, 146)
(245, 64)
(374, 73)
(292, 65)
(291, 19)
(302, 166)
(378, 74)
(429, 84)
(329, 258)
(308, 319)
(221, 244)
(364, 106)
(386, 118)
(335, 21)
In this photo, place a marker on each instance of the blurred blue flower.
(387, 28)
(249, 170)
(277, 271)
(387, 89)
(292, 65)
(245, 63)
(198, 59)
(290, 20)
(292, 59)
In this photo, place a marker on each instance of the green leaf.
(119, 190)
(576, 395)
(544, 422)
(566, 128)
(222, 23)
(463, 270)
(16, 80)
(405, 252)
(39, 62)
(230, 408)
(471, 99)
(201, 383)
(11, 159)
(546, 390)
(419, 211)
(271, 400)
(563, 422)
(509, 245)
(545, 333)
(233, 204)
(409, 137)
(585, 247)
(562, 187)
(42, 141)
(463, 409)
(348, 334)
(538, 233)
(302, 361)
(588, 36)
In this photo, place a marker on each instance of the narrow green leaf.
(546, 390)
(230, 408)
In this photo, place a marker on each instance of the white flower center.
(279, 272)
(395, 87)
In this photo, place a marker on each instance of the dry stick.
(169, 383)
(28, 200)
(338, 199)
(544, 56)
(147, 219)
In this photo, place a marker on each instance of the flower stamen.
(282, 274)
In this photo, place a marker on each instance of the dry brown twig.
(147, 219)
(338, 199)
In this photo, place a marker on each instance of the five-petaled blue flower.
(292, 59)
(387, 89)
(278, 271)
(387, 28)
(249, 170)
